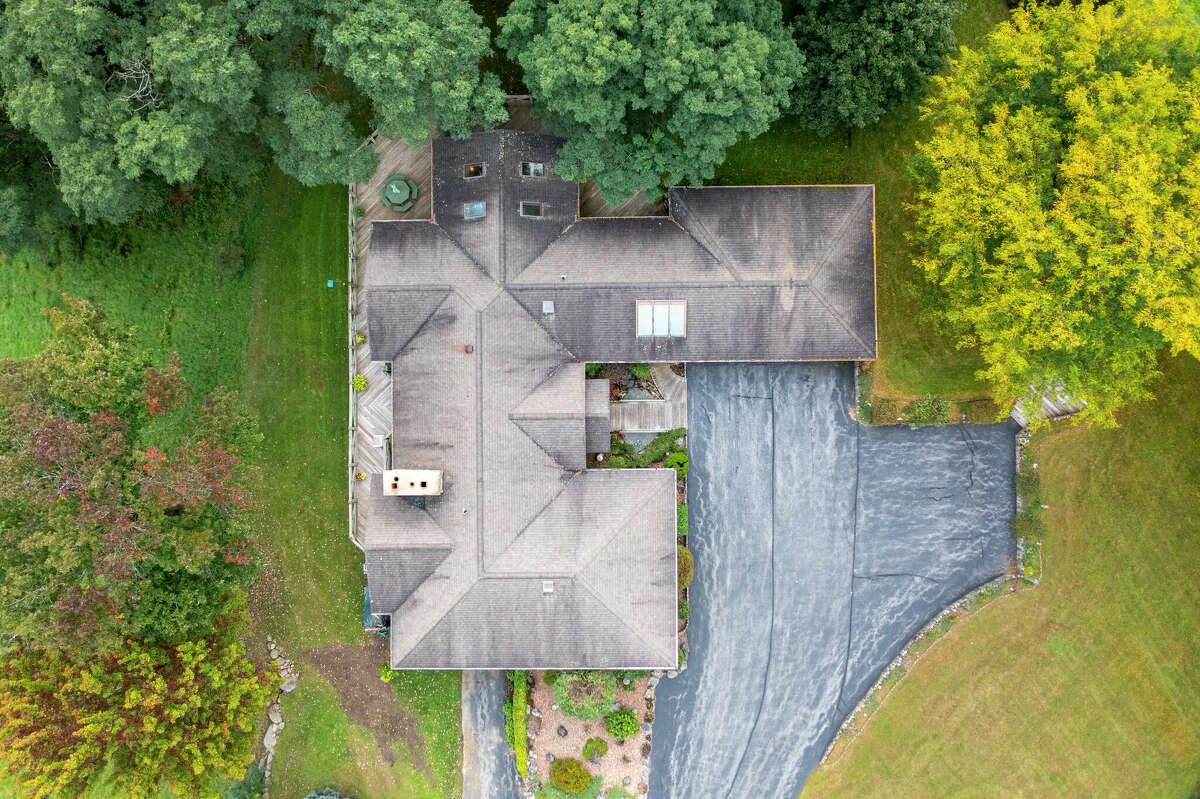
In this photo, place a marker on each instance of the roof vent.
(547, 586)
(547, 307)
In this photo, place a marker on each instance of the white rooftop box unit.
(412, 482)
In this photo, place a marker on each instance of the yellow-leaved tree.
(1058, 200)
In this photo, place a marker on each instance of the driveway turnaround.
(821, 546)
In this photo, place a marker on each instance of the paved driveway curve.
(821, 547)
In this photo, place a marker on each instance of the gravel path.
(821, 547)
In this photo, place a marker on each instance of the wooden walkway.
(652, 416)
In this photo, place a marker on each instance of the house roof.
(487, 322)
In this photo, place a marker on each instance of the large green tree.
(651, 92)
(865, 58)
(145, 716)
(1058, 197)
(121, 495)
(130, 99)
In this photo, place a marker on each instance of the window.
(532, 169)
(474, 171)
(661, 318)
(474, 210)
(531, 209)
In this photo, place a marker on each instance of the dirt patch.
(353, 671)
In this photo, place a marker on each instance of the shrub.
(514, 720)
(679, 462)
(549, 677)
(681, 520)
(685, 610)
(360, 382)
(593, 369)
(630, 674)
(595, 747)
(621, 724)
(585, 694)
(359, 338)
(640, 371)
(686, 567)
(569, 774)
(248, 787)
(886, 411)
(662, 445)
(359, 212)
(928, 410)
(592, 791)
(866, 412)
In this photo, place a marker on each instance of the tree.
(1057, 196)
(651, 93)
(866, 58)
(134, 98)
(121, 507)
(182, 715)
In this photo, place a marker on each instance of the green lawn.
(1088, 685)
(273, 330)
(915, 359)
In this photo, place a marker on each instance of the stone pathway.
(651, 415)
(287, 671)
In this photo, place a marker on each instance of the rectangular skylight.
(531, 209)
(474, 171)
(474, 210)
(661, 318)
(532, 169)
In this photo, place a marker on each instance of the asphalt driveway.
(821, 547)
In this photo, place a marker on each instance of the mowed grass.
(915, 358)
(311, 593)
(319, 747)
(1088, 685)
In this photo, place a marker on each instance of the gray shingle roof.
(488, 386)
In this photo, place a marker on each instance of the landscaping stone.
(627, 781)
(562, 731)
(533, 725)
(549, 757)
(289, 684)
(271, 738)
(274, 714)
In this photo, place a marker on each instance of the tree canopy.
(145, 715)
(121, 513)
(651, 92)
(131, 99)
(1057, 199)
(865, 58)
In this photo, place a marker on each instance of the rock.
(626, 681)
(533, 711)
(532, 767)
(645, 728)
(646, 749)
(271, 738)
(562, 731)
(549, 757)
(273, 652)
(653, 681)
(554, 706)
(273, 713)
(534, 725)
(627, 781)
(643, 788)
(649, 695)
(289, 684)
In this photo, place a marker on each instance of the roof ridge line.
(843, 229)
(727, 261)
(616, 528)
(586, 586)
(819, 297)
(537, 515)
(424, 321)
(441, 617)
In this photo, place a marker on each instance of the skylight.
(531, 209)
(532, 169)
(661, 318)
(474, 210)
(474, 171)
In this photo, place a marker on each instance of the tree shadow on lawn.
(353, 671)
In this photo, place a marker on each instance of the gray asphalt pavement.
(821, 547)
(489, 769)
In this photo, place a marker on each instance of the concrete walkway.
(488, 767)
(821, 548)
(652, 416)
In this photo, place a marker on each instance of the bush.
(569, 774)
(595, 747)
(585, 694)
(549, 677)
(630, 674)
(686, 567)
(514, 720)
(662, 445)
(360, 382)
(679, 462)
(928, 410)
(593, 790)
(866, 413)
(681, 520)
(640, 371)
(249, 787)
(621, 724)
(593, 369)
(685, 610)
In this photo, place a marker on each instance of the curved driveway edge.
(821, 547)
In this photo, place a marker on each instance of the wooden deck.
(653, 416)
